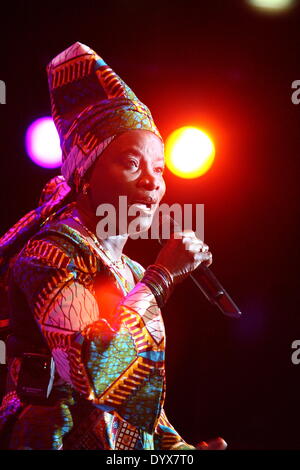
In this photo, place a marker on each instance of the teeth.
(142, 206)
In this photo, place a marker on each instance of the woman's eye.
(131, 163)
(159, 169)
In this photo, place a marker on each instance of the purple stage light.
(42, 143)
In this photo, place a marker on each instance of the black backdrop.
(222, 66)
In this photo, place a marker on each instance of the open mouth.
(143, 206)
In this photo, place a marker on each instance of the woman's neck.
(114, 244)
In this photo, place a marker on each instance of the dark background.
(222, 66)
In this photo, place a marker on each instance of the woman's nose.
(149, 181)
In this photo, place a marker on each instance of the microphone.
(206, 281)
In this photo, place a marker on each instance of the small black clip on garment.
(36, 377)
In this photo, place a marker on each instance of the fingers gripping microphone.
(207, 282)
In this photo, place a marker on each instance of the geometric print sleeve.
(73, 308)
(58, 289)
(142, 301)
(166, 438)
(115, 360)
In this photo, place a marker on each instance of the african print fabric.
(108, 342)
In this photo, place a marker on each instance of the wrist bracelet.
(160, 282)
(165, 272)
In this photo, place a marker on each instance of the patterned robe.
(108, 342)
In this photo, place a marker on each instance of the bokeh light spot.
(190, 152)
(42, 143)
(272, 6)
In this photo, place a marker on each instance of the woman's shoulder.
(57, 245)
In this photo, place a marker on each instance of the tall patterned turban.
(90, 105)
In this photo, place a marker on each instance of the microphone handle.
(207, 282)
(209, 285)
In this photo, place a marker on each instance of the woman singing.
(77, 304)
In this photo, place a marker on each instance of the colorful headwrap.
(91, 105)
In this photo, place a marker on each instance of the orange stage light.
(190, 152)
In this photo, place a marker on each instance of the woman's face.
(131, 166)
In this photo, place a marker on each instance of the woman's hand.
(183, 254)
(212, 444)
